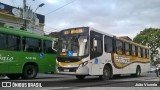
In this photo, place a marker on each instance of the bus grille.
(61, 69)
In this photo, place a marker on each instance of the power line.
(59, 7)
(51, 28)
(13, 2)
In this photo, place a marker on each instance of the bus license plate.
(66, 70)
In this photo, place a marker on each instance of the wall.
(11, 17)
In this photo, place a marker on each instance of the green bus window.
(48, 47)
(3, 40)
(32, 45)
(13, 43)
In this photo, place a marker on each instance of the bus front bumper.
(73, 70)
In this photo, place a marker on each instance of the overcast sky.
(116, 17)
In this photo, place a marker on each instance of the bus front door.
(95, 66)
(96, 51)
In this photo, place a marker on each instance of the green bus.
(24, 54)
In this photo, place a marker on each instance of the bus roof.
(23, 33)
(104, 33)
(131, 42)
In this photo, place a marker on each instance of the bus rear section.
(84, 51)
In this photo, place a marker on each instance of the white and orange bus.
(84, 51)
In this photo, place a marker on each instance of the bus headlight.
(83, 64)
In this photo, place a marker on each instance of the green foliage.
(151, 38)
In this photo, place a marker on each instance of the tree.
(151, 38)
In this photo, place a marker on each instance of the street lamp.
(41, 5)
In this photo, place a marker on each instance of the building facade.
(13, 17)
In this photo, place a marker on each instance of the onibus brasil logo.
(20, 84)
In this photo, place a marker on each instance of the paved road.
(70, 82)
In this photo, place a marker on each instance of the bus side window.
(146, 53)
(142, 52)
(119, 47)
(13, 42)
(127, 51)
(97, 46)
(108, 42)
(134, 51)
(48, 47)
(25, 46)
(130, 49)
(3, 40)
(139, 51)
(32, 45)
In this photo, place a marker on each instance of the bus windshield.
(74, 46)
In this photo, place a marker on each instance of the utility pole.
(28, 15)
(24, 16)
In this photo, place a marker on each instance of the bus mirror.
(95, 43)
(53, 45)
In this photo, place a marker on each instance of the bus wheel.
(29, 71)
(138, 72)
(106, 73)
(80, 77)
(13, 76)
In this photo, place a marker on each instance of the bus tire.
(13, 76)
(157, 73)
(106, 73)
(29, 71)
(80, 77)
(138, 72)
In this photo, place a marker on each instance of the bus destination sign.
(73, 31)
